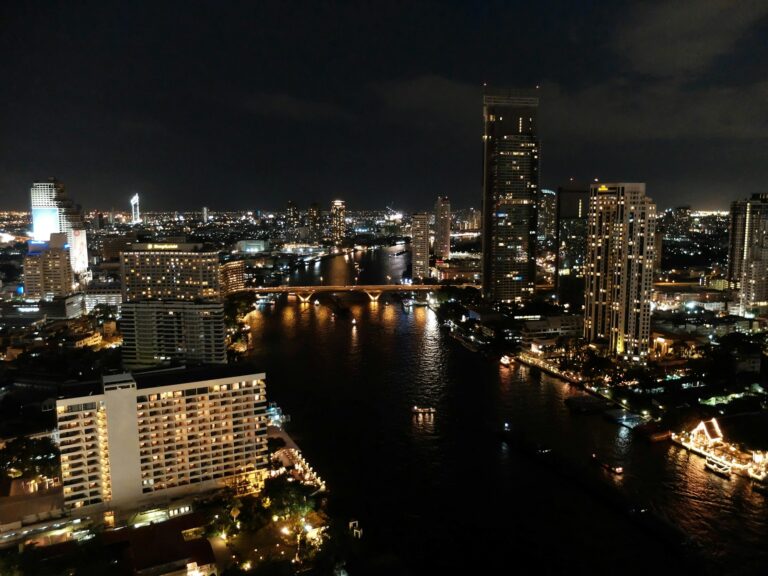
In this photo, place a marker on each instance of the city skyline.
(151, 130)
(508, 249)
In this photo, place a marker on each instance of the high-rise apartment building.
(619, 268)
(169, 271)
(748, 252)
(292, 222)
(572, 208)
(420, 245)
(205, 214)
(47, 269)
(338, 221)
(313, 223)
(157, 331)
(442, 247)
(134, 439)
(54, 212)
(232, 276)
(510, 194)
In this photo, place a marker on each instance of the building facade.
(338, 221)
(748, 252)
(169, 271)
(163, 434)
(572, 208)
(156, 331)
(510, 194)
(48, 269)
(232, 276)
(420, 245)
(619, 268)
(53, 212)
(442, 247)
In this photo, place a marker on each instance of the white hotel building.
(162, 434)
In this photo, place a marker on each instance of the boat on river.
(718, 467)
(612, 468)
(423, 410)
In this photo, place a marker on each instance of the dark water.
(438, 494)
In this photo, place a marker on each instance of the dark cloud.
(295, 108)
(627, 111)
(251, 104)
(679, 39)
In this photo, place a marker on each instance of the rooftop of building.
(156, 378)
(183, 375)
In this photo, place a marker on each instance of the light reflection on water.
(351, 391)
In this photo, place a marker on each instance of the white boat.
(505, 360)
(718, 467)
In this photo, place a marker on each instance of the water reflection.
(357, 386)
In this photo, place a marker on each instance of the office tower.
(572, 208)
(420, 245)
(442, 228)
(748, 252)
(547, 208)
(475, 219)
(47, 269)
(292, 222)
(169, 271)
(135, 211)
(510, 193)
(619, 268)
(156, 331)
(338, 223)
(138, 438)
(53, 212)
(47, 199)
(205, 214)
(313, 223)
(232, 276)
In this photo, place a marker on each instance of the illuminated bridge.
(373, 291)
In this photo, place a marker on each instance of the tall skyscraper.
(442, 228)
(338, 222)
(420, 245)
(47, 269)
(205, 214)
(156, 331)
(135, 210)
(510, 194)
(572, 208)
(139, 438)
(313, 223)
(619, 268)
(292, 222)
(169, 271)
(52, 212)
(748, 252)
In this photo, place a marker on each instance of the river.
(444, 493)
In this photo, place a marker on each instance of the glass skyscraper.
(510, 194)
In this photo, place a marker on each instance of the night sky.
(247, 105)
